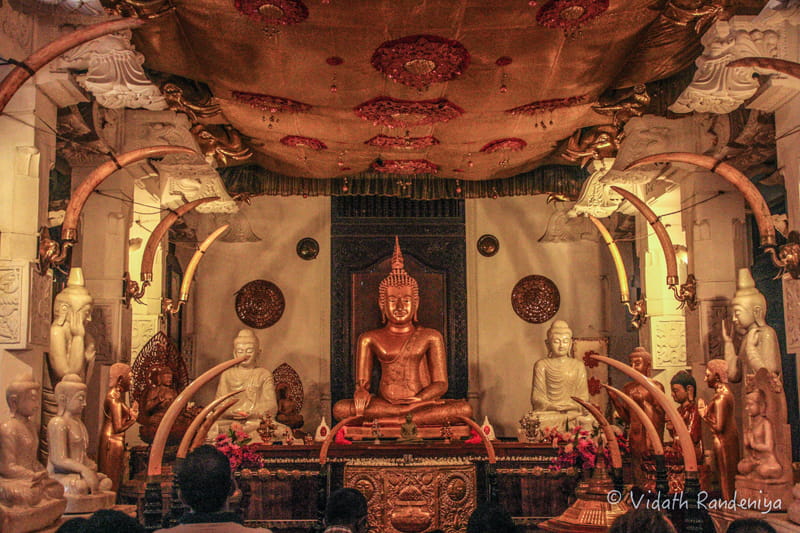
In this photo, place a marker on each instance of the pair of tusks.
(198, 430)
(27, 68)
(689, 455)
(133, 288)
(323, 453)
(608, 431)
(175, 409)
(186, 284)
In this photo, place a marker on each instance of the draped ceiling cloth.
(460, 89)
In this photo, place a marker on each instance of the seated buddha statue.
(412, 358)
(759, 440)
(68, 461)
(27, 494)
(258, 385)
(156, 400)
(556, 379)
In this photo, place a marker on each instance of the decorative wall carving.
(114, 73)
(186, 182)
(564, 225)
(104, 327)
(17, 26)
(41, 302)
(142, 329)
(668, 336)
(415, 497)
(597, 198)
(714, 312)
(791, 313)
(14, 278)
(420, 60)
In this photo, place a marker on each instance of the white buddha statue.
(556, 379)
(259, 396)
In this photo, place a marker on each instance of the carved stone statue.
(759, 347)
(556, 379)
(759, 440)
(684, 389)
(157, 399)
(258, 384)
(86, 489)
(641, 361)
(412, 358)
(29, 498)
(72, 349)
(117, 418)
(719, 415)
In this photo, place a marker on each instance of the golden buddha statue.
(413, 361)
(117, 418)
(719, 415)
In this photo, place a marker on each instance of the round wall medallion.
(535, 299)
(307, 248)
(259, 304)
(488, 245)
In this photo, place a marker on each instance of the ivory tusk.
(183, 448)
(789, 68)
(754, 199)
(175, 409)
(69, 231)
(205, 427)
(160, 230)
(323, 452)
(622, 275)
(661, 233)
(190, 270)
(14, 80)
(485, 438)
(611, 438)
(689, 456)
(652, 433)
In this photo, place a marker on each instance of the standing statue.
(86, 489)
(72, 349)
(556, 379)
(759, 440)
(258, 384)
(413, 361)
(641, 361)
(719, 415)
(684, 391)
(117, 418)
(29, 498)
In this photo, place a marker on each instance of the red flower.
(588, 361)
(594, 386)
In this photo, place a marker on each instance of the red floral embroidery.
(588, 361)
(273, 104)
(273, 12)
(511, 144)
(547, 105)
(594, 386)
(419, 60)
(569, 15)
(298, 141)
(405, 166)
(403, 143)
(393, 113)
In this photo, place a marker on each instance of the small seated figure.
(29, 498)
(157, 400)
(258, 384)
(759, 441)
(288, 407)
(408, 430)
(86, 489)
(556, 379)
(413, 362)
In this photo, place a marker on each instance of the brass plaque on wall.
(409, 498)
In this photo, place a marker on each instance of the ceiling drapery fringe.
(553, 179)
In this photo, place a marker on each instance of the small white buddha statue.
(259, 396)
(86, 489)
(556, 379)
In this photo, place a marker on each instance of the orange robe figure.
(117, 418)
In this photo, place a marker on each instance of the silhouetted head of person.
(204, 479)
(74, 525)
(641, 520)
(750, 525)
(106, 520)
(490, 519)
(347, 507)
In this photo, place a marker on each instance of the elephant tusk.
(611, 438)
(655, 438)
(188, 437)
(200, 437)
(622, 275)
(190, 270)
(789, 68)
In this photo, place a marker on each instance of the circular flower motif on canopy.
(273, 104)
(419, 60)
(403, 143)
(273, 12)
(535, 299)
(405, 166)
(394, 113)
(569, 15)
(511, 144)
(298, 141)
(540, 106)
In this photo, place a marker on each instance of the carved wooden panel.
(104, 328)
(435, 253)
(791, 311)
(143, 328)
(416, 497)
(668, 341)
(713, 315)
(14, 304)
(41, 303)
